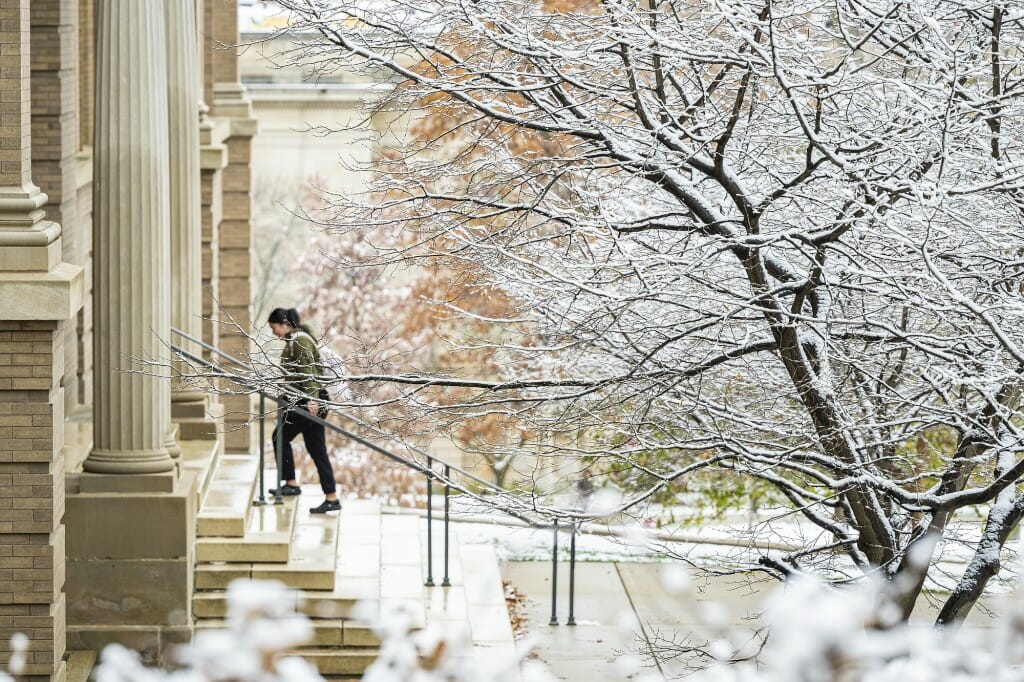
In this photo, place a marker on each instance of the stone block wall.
(32, 493)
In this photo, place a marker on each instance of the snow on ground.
(724, 545)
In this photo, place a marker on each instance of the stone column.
(131, 538)
(131, 406)
(184, 99)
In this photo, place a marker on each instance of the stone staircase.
(334, 561)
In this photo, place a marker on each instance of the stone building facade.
(124, 212)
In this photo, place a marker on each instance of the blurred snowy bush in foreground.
(822, 634)
(409, 655)
(16, 663)
(263, 627)
(817, 634)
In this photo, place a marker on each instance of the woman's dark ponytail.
(289, 316)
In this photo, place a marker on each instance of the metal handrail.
(462, 472)
(285, 406)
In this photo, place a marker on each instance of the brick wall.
(86, 72)
(14, 95)
(210, 190)
(234, 280)
(32, 493)
(207, 45)
(54, 86)
(222, 29)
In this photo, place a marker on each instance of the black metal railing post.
(554, 578)
(447, 492)
(430, 522)
(263, 447)
(282, 415)
(572, 574)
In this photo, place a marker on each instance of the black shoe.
(326, 506)
(287, 490)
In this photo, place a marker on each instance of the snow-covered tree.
(773, 240)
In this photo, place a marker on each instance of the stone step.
(227, 505)
(357, 569)
(199, 419)
(195, 409)
(80, 665)
(335, 558)
(338, 632)
(218, 576)
(267, 539)
(206, 605)
(199, 429)
(335, 561)
(310, 565)
(314, 552)
(334, 661)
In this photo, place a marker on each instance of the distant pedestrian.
(302, 372)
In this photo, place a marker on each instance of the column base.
(153, 461)
(30, 258)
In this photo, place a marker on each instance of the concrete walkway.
(621, 610)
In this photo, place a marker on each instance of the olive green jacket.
(300, 361)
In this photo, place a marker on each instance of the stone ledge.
(244, 127)
(213, 157)
(52, 295)
(125, 483)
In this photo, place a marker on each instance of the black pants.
(313, 437)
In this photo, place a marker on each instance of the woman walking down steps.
(299, 362)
